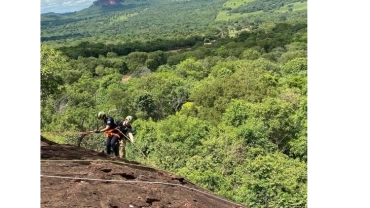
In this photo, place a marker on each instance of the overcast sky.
(62, 6)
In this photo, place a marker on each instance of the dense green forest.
(148, 20)
(223, 106)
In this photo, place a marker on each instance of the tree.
(290, 55)
(191, 69)
(270, 180)
(52, 63)
(251, 54)
(296, 66)
(156, 59)
(178, 140)
(136, 59)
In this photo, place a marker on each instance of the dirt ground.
(73, 176)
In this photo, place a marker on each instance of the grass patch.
(122, 17)
(295, 6)
(225, 16)
(235, 3)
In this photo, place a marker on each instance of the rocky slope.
(73, 176)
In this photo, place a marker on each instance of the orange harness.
(110, 133)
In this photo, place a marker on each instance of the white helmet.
(101, 115)
(129, 118)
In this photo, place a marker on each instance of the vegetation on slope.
(158, 19)
(230, 116)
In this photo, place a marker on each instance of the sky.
(63, 6)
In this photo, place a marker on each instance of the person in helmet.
(126, 130)
(113, 134)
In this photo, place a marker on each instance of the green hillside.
(217, 90)
(149, 20)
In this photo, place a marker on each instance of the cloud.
(62, 6)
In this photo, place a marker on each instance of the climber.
(126, 131)
(113, 134)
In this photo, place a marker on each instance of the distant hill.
(117, 21)
(107, 2)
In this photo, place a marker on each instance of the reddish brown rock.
(107, 2)
(73, 176)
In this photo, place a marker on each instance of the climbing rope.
(121, 181)
(65, 132)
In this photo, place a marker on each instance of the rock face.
(107, 2)
(73, 176)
